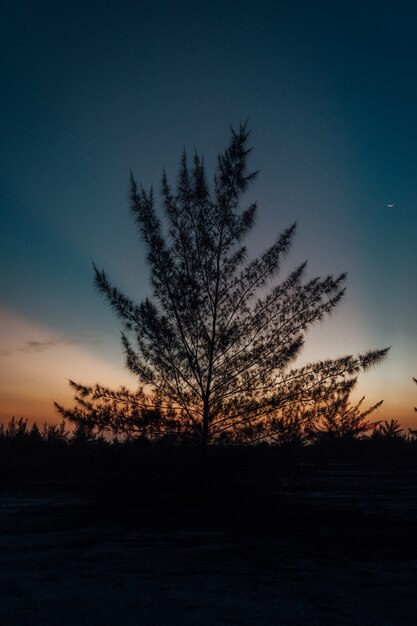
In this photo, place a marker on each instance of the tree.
(340, 420)
(389, 430)
(413, 431)
(213, 348)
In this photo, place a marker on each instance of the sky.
(92, 90)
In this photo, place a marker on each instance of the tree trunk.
(205, 429)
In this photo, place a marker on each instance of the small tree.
(212, 350)
(16, 430)
(389, 430)
(55, 433)
(340, 420)
(412, 432)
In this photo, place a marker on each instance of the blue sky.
(92, 90)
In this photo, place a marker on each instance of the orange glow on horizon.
(36, 364)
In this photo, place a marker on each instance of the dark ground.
(310, 542)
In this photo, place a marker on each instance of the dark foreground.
(332, 543)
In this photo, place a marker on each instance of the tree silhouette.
(340, 420)
(213, 349)
(390, 430)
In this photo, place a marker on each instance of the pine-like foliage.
(340, 420)
(388, 429)
(213, 348)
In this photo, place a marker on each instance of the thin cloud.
(41, 346)
(35, 345)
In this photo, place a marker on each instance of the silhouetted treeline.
(164, 482)
(18, 431)
(52, 451)
(384, 434)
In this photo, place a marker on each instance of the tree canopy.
(213, 348)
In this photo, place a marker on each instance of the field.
(330, 542)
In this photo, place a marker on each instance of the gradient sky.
(92, 89)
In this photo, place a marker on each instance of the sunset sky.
(91, 90)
